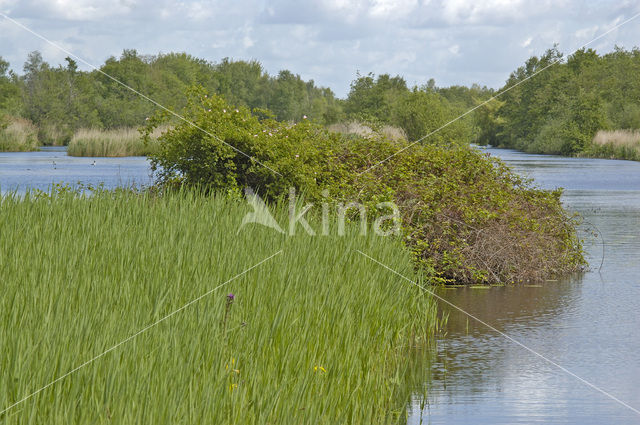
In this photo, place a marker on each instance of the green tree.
(9, 90)
(373, 98)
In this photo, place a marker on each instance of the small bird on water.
(94, 163)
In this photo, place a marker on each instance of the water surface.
(40, 170)
(589, 324)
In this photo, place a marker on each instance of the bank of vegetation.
(105, 143)
(466, 218)
(319, 333)
(584, 105)
(61, 101)
(557, 111)
(17, 135)
(315, 334)
(622, 144)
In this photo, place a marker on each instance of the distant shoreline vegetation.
(112, 143)
(584, 105)
(17, 135)
(62, 100)
(615, 144)
(558, 111)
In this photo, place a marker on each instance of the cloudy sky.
(329, 41)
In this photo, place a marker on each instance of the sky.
(329, 41)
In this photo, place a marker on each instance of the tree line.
(61, 99)
(551, 104)
(556, 105)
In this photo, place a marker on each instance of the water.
(20, 170)
(588, 324)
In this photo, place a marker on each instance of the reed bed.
(112, 143)
(618, 137)
(615, 144)
(317, 334)
(359, 129)
(18, 135)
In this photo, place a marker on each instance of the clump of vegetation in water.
(315, 334)
(465, 217)
(111, 143)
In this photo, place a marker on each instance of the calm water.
(588, 324)
(19, 170)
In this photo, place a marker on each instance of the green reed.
(317, 334)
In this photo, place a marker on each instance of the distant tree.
(560, 110)
(375, 98)
(9, 90)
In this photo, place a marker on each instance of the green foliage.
(488, 122)
(9, 91)
(61, 100)
(56, 100)
(314, 335)
(375, 99)
(466, 218)
(419, 111)
(239, 149)
(560, 110)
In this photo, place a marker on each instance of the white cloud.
(475, 11)
(586, 34)
(392, 8)
(83, 10)
(246, 40)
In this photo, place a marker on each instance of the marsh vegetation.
(112, 143)
(316, 334)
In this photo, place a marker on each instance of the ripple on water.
(589, 323)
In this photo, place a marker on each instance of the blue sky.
(329, 41)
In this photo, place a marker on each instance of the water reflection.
(589, 323)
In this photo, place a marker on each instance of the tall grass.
(363, 130)
(618, 137)
(54, 134)
(317, 334)
(620, 144)
(18, 135)
(120, 142)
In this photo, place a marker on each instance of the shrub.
(466, 217)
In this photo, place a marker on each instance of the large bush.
(466, 217)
